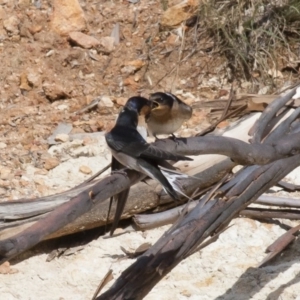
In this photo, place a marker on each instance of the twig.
(280, 244)
(288, 186)
(271, 110)
(258, 213)
(149, 221)
(107, 278)
(88, 107)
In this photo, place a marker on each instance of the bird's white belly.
(165, 128)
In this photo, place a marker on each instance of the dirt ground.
(45, 80)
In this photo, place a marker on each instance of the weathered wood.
(190, 231)
(237, 150)
(149, 221)
(209, 169)
(209, 216)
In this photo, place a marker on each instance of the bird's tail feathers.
(173, 178)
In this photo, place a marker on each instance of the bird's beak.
(155, 105)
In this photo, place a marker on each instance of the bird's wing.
(130, 142)
(153, 152)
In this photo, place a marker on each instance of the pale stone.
(178, 13)
(107, 43)
(54, 91)
(105, 102)
(5, 173)
(51, 163)
(62, 137)
(85, 170)
(11, 25)
(83, 40)
(67, 16)
(3, 145)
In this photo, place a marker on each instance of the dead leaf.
(137, 64)
(275, 73)
(130, 82)
(24, 82)
(139, 250)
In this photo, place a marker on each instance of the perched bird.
(121, 198)
(131, 150)
(167, 114)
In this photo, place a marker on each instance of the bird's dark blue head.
(139, 104)
(134, 107)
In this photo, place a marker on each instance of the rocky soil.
(59, 59)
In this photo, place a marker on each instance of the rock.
(137, 64)
(105, 105)
(39, 181)
(62, 128)
(178, 13)
(24, 82)
(54, 91)
(24, 3)
(62, 107)
(83, 40)
(62, 138)
(67, 16)
(40, 172)
(121, 101)
(107, 44)
(35, 28)
(33, 77)
(51, 163)
(5, 173)
(132, 66)
(6, 269)
(3, 145)
(2, 13)
(11, 25)
(2, 191)
(85, 170)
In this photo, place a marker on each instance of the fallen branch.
(210, 216)
(149, 221)
(191, 230)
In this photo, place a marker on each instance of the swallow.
(121, 198)
(167, 114)
(130, 149)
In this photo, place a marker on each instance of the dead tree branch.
(190, 231)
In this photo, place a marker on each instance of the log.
(185, 236)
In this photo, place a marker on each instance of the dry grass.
(254, 36)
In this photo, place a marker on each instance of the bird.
(130, 149)
(121, 198)
(167, 114)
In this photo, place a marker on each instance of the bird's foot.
(173, 137)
